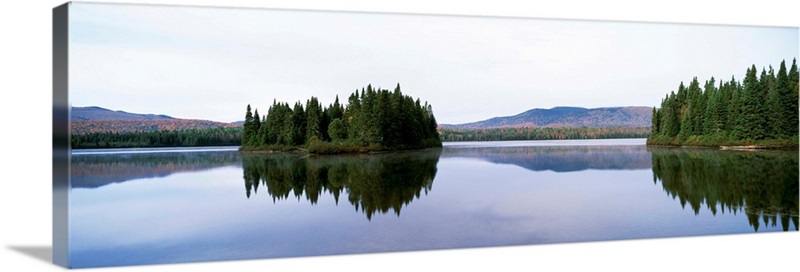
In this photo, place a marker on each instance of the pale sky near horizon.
(209, 63)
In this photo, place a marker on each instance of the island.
(373, 120)
(761, 112)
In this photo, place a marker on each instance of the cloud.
(208, 63)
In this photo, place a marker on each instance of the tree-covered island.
(759, 112)
(372, 120)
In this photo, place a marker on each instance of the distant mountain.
(98, 113)
(567, 117)
(97, 119)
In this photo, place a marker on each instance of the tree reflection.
(762, 184)
(372, 183)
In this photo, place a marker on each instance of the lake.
(156, 206)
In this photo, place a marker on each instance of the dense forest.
(374, 119)
(111, 125)
(542, 133)
(762, 110)
(220, 136)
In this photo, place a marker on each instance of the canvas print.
(192, 134)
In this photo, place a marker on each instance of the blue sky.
(209, 63)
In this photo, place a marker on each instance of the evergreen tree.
(337, 130)
(766, 82)
(273, 124)
(691, 119)
(712, 123)
(255, 128)
(672, 113)
(750, 124)
(356, 124)
(336, 110)
(261, 134)
(704, 123)
(314, 119)
(299, 125)
(374, 118)
(720, 111)
(792, 100)
(734, 94)
(431, 122)
(247, 135)
(778, 104)
(759, 108)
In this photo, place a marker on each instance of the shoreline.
(339, 150)
(743, 147)
(729, 147)
(722, 143)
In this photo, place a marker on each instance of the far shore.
(731, 147)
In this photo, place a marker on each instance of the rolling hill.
(98, 113)
(96, 119)
(567, 117)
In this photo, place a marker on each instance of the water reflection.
(373, 183)
(763, 184)
(559, 158)
(97, 170)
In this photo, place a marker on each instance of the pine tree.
(374, 118)
(750, 124)
(758, 108)
(273, 124)
(712, 101)
(333, 111)
(778, 104)
(247, 133)
(299, 125)
(733, 93)
(255, 128)
(663, 114)
(672, 113)
(705, 123)
(336, 109)
(792, 100)
(721, 109)
(314, 120)
(337, 130)
(261, 134)
(690, 119)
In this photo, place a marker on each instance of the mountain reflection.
(373, 183)
(762, 184)
(97, 170)
(559, 158)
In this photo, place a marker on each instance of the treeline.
(542, 133)
(373, 119)
(90, 126)
(220, 136)
(762, 110)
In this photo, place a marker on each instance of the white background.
(26, 165)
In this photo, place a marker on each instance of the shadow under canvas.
(42, 253)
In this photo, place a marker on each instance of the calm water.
(153, 206)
